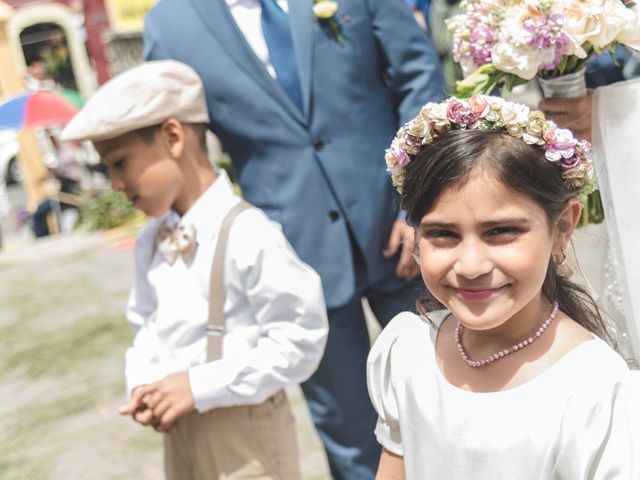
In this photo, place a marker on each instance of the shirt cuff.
(209, 383)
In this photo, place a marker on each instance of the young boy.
(208, 363)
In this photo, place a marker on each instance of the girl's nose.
(472, 261)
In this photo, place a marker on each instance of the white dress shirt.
(275, 316)
(247, 13)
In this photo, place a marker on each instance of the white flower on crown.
(437, 114)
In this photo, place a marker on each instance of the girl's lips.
(476, 294)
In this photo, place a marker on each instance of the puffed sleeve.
(380, 382)
(600, 439)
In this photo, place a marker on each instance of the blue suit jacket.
(321, 172)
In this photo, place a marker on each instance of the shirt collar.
(209, 210)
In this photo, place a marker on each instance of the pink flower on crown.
(461, 113)
(479, 105)
(549, 133)
(395, 155)
(412, 143)
(562, 149)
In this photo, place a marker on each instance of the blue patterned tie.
(277, 34)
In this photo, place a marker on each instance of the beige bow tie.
(172, 242)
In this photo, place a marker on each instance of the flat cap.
(146, 95)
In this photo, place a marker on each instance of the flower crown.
(482, 112)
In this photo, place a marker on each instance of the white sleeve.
(286, 300)
(601, 439)
(139, 366)
(380, 382)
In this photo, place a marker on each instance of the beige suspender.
(215, 325)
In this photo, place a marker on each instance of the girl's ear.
(566, 224)
(173, 137)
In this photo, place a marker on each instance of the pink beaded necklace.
(503, 353)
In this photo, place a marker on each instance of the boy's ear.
(566, 224)
(173, 137)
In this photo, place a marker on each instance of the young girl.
(514, 380)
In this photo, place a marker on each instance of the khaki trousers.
(248, 442)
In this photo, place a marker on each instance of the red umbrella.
(39, 109)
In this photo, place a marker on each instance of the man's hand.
(571, 113)
(161, 403)
(402, 236)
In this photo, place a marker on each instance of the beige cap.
(143, 96)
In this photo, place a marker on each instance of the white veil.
(609, 254)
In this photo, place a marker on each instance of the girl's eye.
(504, 232)
(441, 237)
(439, 234)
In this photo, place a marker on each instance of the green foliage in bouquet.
(108, 210)
(592, 210)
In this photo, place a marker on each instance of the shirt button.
(334, 215)
(318, 144)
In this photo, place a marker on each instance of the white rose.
(598, 22)
(613, 16)
(511, 28)
(325, 9)
(630, 35)
(522, 61)
(515, 114)
(580, 23)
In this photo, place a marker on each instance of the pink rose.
(479, 105)
(460, 113)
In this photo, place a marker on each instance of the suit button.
(318, 144)
(334, 215)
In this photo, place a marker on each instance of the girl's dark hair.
(447, 162)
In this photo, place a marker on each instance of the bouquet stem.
(568, 85)
(574, 85)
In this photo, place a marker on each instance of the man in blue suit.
(305, 113)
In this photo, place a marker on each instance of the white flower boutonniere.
(325, 11)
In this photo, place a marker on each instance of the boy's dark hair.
(147, 134)
(448, 161)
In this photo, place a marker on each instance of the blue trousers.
(337, 392)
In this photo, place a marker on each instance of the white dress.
(577, 420)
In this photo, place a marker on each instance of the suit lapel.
(223, 26)
(301, 15)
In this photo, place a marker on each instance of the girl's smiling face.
(484, 251)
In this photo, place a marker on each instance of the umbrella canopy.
(72, 96)
(41, 109)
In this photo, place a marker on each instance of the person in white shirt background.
(228, 417)
(517, 376)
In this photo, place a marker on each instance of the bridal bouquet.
(503, 43)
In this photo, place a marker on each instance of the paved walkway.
(63, 339)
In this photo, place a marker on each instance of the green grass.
(57, 352)
(30, 426)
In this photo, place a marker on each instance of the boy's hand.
(137, 408)
(167, 400)
(161, 403)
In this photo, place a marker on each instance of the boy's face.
(145, 172)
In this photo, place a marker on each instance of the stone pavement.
(63, 340)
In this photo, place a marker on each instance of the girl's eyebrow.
(520, 221)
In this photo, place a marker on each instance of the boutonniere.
(325, 11)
